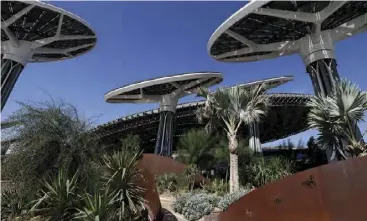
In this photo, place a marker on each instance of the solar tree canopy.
(154, 89)
(268, 29)
(34, 31)
(268, 83)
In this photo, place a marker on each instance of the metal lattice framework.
(286, 117)
(33, 31)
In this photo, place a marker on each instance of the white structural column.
(254, 141)
(15, 53)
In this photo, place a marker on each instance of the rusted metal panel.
(333, 192)
(153, 165)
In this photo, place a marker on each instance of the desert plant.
(180, 202)
(336, 117)
(262, 170)
(167, 183)
(195, 147)
(229, 198)
(121, 177)
(47, 137)
(96, 207)
(189, 174)
(199, 205)
(232, 107)
(14, 203)
(58, 198)
(217, 187)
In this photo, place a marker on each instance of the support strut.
(254, 141)
(10, 71)
(164, 141)
(323, 74)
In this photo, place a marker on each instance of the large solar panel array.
(165, 87)
(40, 23)
(263, 29)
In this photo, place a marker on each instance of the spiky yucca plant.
(58, 197)
(121, 177)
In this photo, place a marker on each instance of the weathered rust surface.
(153, 165)
(159, 165)
(151, 195)
(333, 192)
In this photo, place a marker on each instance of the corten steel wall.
(334, 192)
(153, 165)
(151, 195)
(159, 165)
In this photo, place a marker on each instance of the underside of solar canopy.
(287, 116)
(166, 91)
(268, 83)
(268, 29)
(186, 117)
(33, 31)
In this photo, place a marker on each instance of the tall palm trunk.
(233, 163)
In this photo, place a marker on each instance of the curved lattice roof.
(52, 33)
(286, 117)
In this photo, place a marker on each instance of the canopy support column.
(317, 51)
(164, 141)
(10, 71)
(254, 141)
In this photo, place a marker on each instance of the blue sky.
(138, 40)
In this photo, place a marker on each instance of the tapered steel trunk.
(164, 141)
(10, 71)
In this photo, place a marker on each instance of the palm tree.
(336, 117)
(196, 148)
(232, 107)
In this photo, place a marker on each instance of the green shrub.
(216, 186)
(179, 203)
(262, 171)
(167, 183)
(14, 202)
(194, 206)
(230, 198)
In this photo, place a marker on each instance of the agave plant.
(97, 207)
(58, 198)
(121, 177)
(336, 117)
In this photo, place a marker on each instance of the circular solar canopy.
(39, 32)
(268, 83)
(268, 29)
(153, 90)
